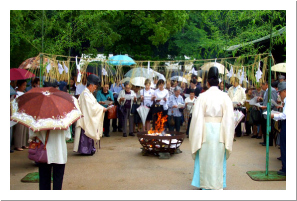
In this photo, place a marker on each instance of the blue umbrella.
(121, 60)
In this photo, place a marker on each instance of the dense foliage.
(144, 35)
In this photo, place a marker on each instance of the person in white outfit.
(56, 150)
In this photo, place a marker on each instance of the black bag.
(255, 117)
(134, 108)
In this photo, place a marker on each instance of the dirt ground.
(119, 165)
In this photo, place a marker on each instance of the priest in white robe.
(90, 127)
(211, 135)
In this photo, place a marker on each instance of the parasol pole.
(268, 128)
(267, 175)
(41, 55)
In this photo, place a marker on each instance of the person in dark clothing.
(193, 86)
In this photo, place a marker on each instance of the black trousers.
(106, 124)
(117, 123)
(248, 127)
(271, 134)
(45, 171)
(283, 144)
(189, 123)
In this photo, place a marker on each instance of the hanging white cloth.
(60, 68)
(78, 69)
(48, 67)
(230, 74)
(65, 67)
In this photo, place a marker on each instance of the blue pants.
(283, 144)
(177, 124)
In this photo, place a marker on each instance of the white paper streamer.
(65, 67)
(258, 73)
(193, 71)
(104, 72)
(60, 68)
(230, 74)
(48, 67)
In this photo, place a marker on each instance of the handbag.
(37, 150)
(134, 108)
(112, 113)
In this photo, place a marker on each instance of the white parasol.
(143, 112)
(281, 67)
(138, 81)
(179, 79)
(220, 67)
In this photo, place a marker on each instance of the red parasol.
(20, 74)
(45, 109)
(33, 62)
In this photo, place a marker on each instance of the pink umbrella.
(20, 74)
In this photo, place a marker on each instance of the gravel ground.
(119, 165)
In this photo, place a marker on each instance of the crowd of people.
(171, 98)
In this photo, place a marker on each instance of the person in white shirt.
(80, 87)
(237, 94)
(126, 98)
(282, 117)
(174, 102)
(146, 98)
(160, 97)
(20, 131)
(56, 150)
(189, 103)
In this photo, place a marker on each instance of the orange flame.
(159, 124)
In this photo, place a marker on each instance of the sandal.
(19, 149)
(25, 147)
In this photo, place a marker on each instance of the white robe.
(92, 121)
(212, 115)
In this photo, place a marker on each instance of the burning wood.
(159, 125)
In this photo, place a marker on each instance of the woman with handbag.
(146, 98)
(105, 95)
(175, 111)
(56, 151)
(189, 103)
(126, 98)
(160, 99)
(137, 119)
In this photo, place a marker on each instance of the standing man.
(105, 95)
(115, 89)
(237, 94)
(211, 135)
(264, 109)
(90, 127)
(282, 117)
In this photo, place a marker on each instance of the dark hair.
(126, 83)
(193, 81)
(35, 81)
(266, 82)
(213, 82)
(20, 82)
(194, 76)
(247, 90)
(192, 91)
(160, 82)
(274, 84)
